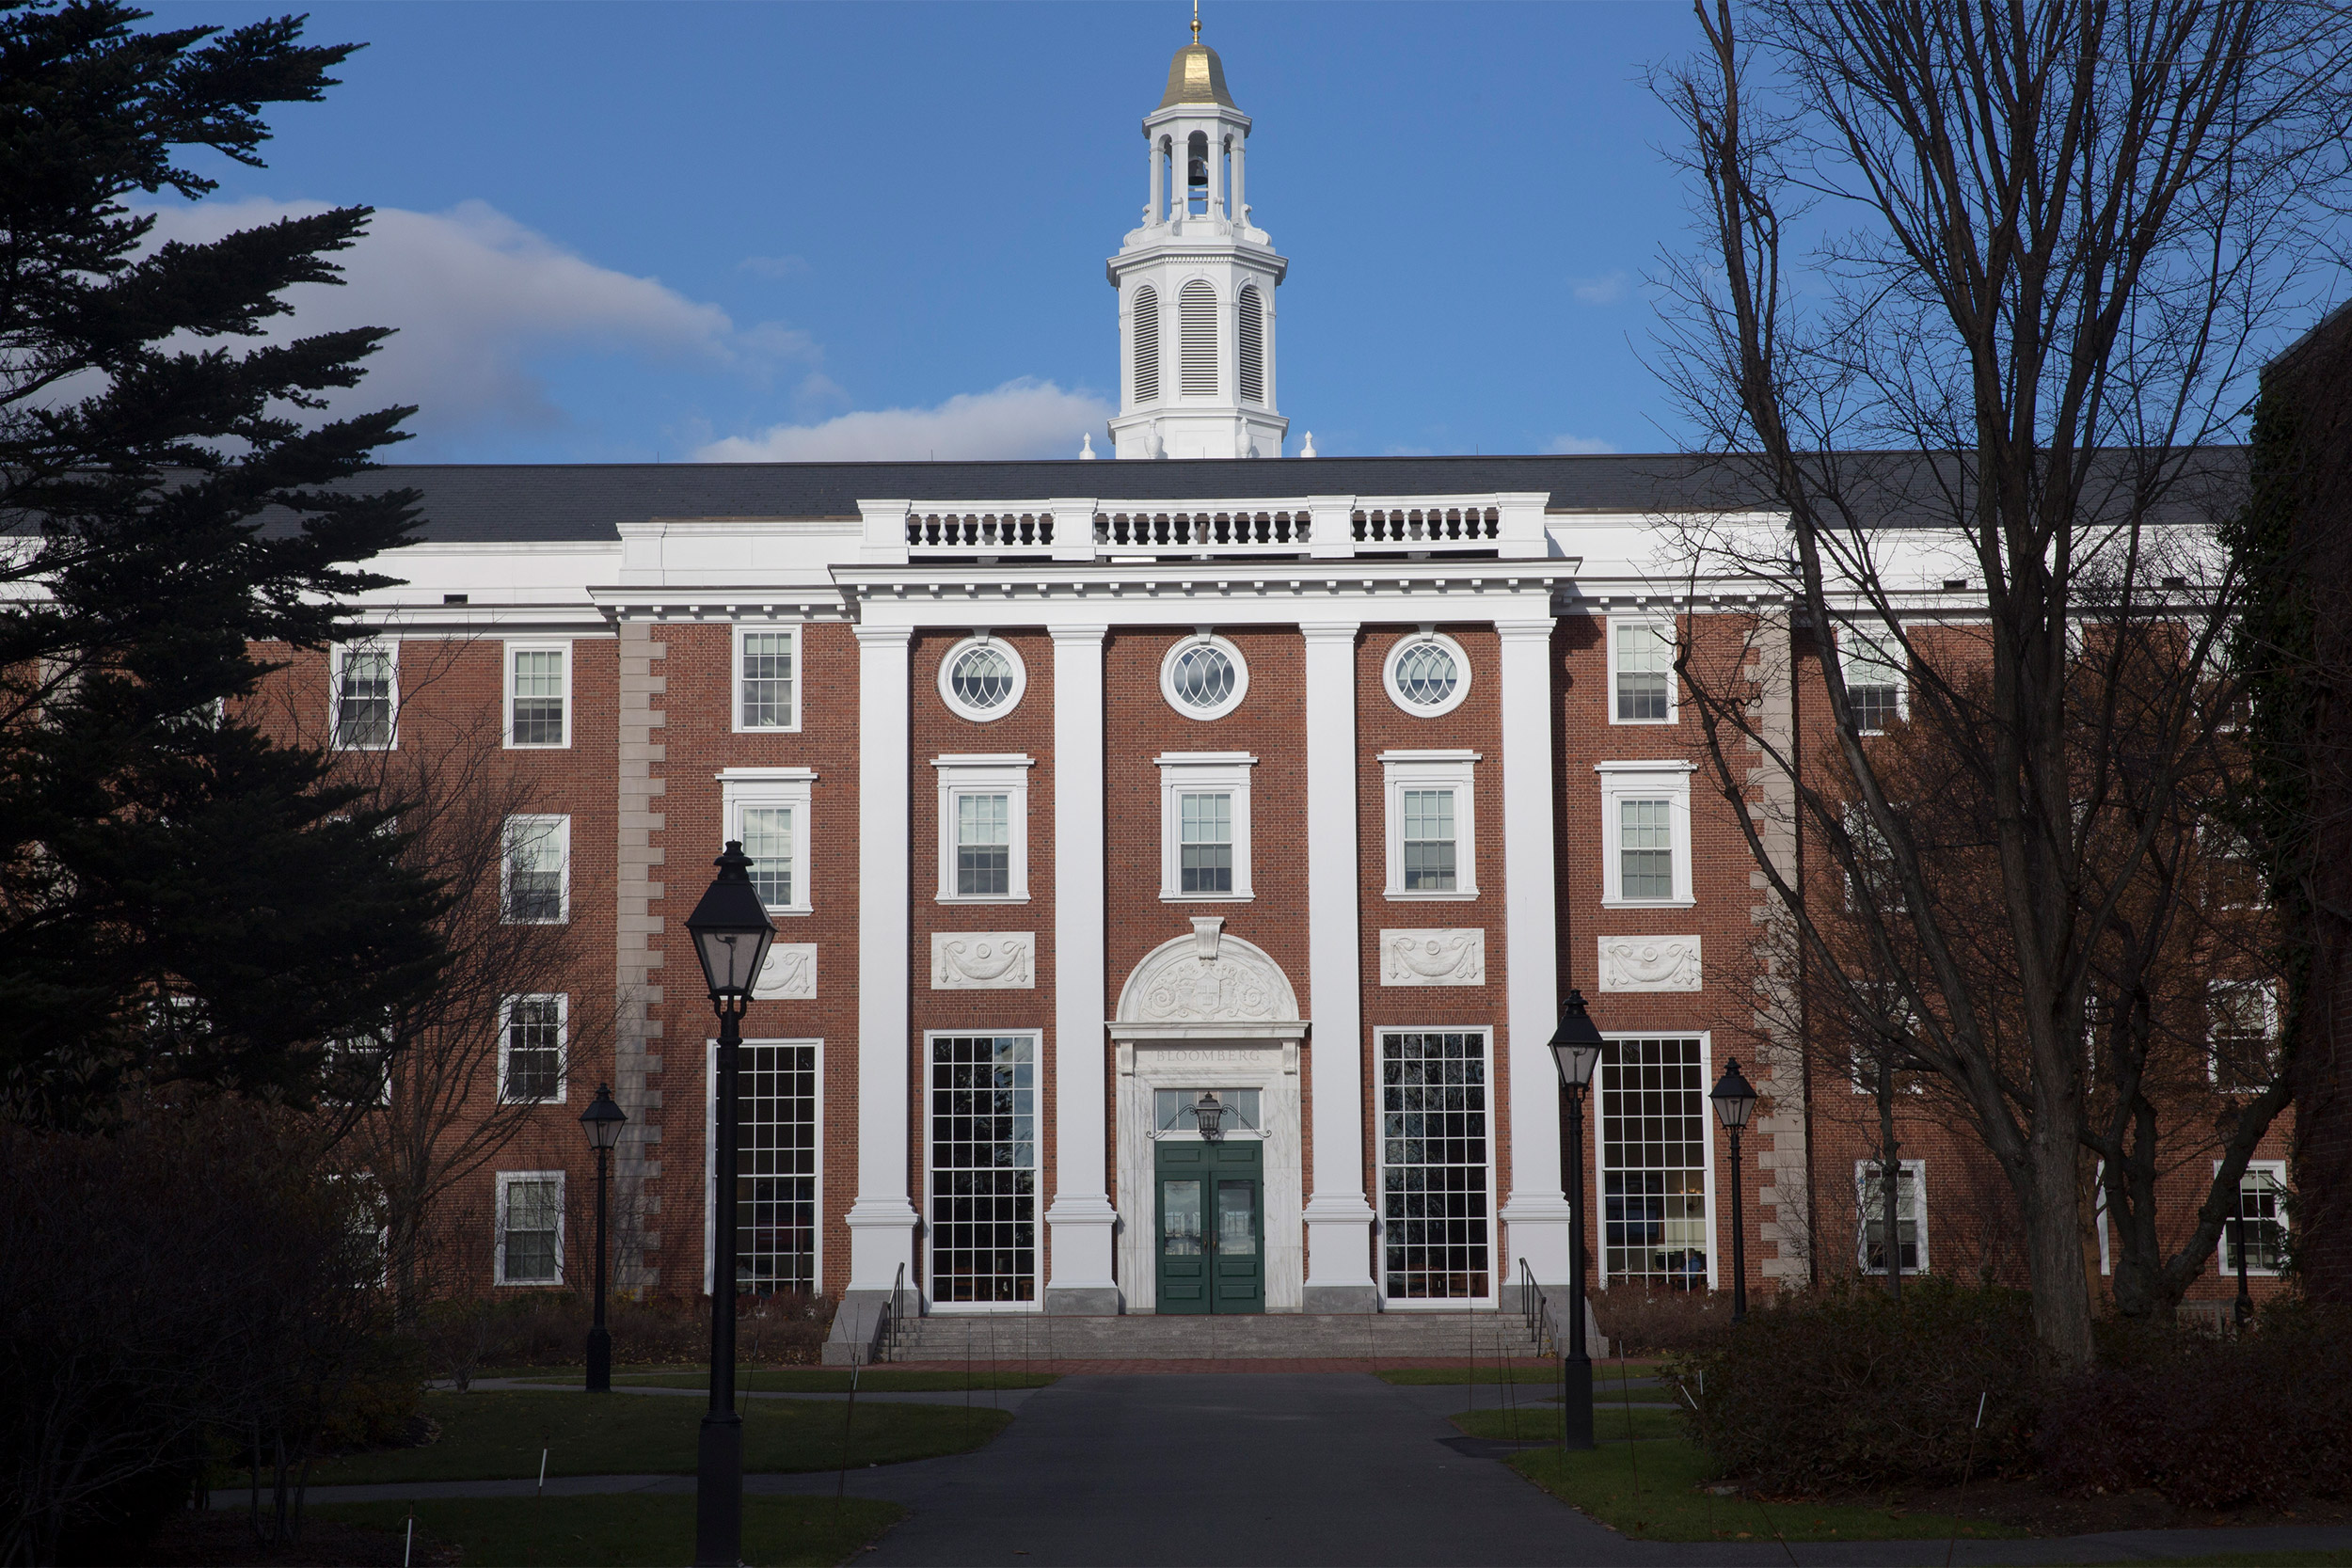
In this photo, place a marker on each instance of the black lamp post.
(602, 1121)
(1735, 1102)
(1575, 1050)
(731, 935)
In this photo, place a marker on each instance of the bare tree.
(2066, 226)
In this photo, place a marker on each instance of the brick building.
(1080, 790)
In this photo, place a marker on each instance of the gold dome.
(1196, 75)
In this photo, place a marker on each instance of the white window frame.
(338, 655)
(1851, 642)
(537, 645)
(1039, 1197)
(1865, 1171)
(563, 1044)
(1499, 1260)
(977, 715)
(332, 1052)
(1442, 769)
(1426, 637)
(792, 787)
(735, 677)
(563, 835)
(2268, 992)
(1184, 773)
(1718, 1227)
(2276, 1170)
(984, 773)
(507, 1179)
(711, 1152)
(1653, 779)
(1674, 705)
(1167, 677)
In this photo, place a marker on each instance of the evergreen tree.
(183, 900)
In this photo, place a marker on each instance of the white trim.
(1426, 637)
(504, 1179)
(561, 835)
(1659, 780)
(1497, 1256)
(1451, 770)
(1864, 1172)
(964, 774)
(983, 714)
(2277, 1171)
(1184, 773)
(764, 788)
(735, 677)
(1168, 669)
(561, 645)
(562, 1043)
(1661, 623)
(341, 651)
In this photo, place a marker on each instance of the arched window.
(1253, 342)
(1196, 320)
(1147, 344)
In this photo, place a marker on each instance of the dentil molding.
(1437, 958)
(983, 960)
(1649, 963)
(790, 974)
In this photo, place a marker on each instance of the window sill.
(530, 1284)
(555, 1099)
(538, 745)
(1649, 903)
(1208, 897)
(510, 920)
(1642, 723)
(1459, 895)
(766, 729)
(982, 898)
(794, 913)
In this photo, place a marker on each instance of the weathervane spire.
(1196, 21)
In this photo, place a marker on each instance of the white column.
(1339, 1221)
(1535, 1219)
(1155, 213)
(1081, 1225)
(1241, 208)
(882, 1221)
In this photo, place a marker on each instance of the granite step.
(1300, 1336)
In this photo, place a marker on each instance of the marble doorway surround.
(1199, 1012)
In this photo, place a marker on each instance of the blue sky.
(625, 232)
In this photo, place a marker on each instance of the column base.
(1082, 1231)
(1338, 1255)
(1342, 1298)
(881, 1242)
(1084, 1301)
(854, 1321)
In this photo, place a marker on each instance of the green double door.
(1211, 1225)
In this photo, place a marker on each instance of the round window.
(1204, 678)
(1427, 674)
(982, 679)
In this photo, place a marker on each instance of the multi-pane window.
(2262, 1217)
(1909, 1211)
(1174, 1110)
(983, 1167)
(1429, 841)
(1653, 1161)
(363, 698)
(1645, 660)
(983, 845)
(1878, 678)
(767, 839)
(531, 1228)
(2242, 1029)
(767, 688)
(775, 1184)
(1205, 842)
(355, 1070)
(1435, 1227)
(1645, 842)
(538, 678)
(530, 1057)
(538, 851)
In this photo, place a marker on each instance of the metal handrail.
(1535, 1307)
(884, 1345)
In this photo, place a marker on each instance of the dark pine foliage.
(181, 898)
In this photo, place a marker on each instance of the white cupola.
(1195, 284)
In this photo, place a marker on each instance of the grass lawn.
(1541, 1422)
(504, 1532)
(2333, 1558)
(499, 1435)
(835, 1380)
(1651, 1491)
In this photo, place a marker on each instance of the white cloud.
(1021, 418)
(1576, 446)
(477, 297)
(1606, 290)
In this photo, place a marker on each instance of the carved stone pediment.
(1207, 977)
(983, 960)
(1441, 958)
(1649, 963)
(790, 974)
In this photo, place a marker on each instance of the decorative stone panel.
(983, 960)
(1433, 958)
(790, 974)
(1207, 977)
(1649, 963)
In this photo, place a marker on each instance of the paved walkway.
(1248, 1470)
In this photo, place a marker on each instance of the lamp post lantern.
(1735, 1102)
(602, 1121)
(1576, 1051)
(1209, 1112)
(731, 934)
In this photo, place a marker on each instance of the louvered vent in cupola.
(1196, 319)
(1252, 341)
(1147, 344)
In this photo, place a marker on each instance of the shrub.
(1850, 1388)
(549, 1328)
(2210, 1422)
(1638, 1322)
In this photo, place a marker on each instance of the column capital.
(1522, 630)
(880, 636)
(1329, 631)
(1091, 633)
